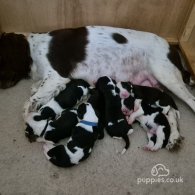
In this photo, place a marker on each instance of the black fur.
(119, 38)
(67, 98)
(72, 94)
(175, 58)
(29, 133)
(62, 126)
(15, 59)
(115, 122)
(81, 138)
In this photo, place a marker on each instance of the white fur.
(37, 126)
(76, 156)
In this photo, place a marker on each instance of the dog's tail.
(127, 144)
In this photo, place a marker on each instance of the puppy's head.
(86, 112)
(34, 127)
(29, 133)
(81, 111)
(104, 83)
(127, 105)
(124, 89)
(15, 59)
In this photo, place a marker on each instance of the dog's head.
(124, 89)
(15, 59)
(34, 127)
(127, 105)
(29, 133)
(105, 83)
(86, 112)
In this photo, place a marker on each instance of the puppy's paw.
(130, 131)
(130, 121)
(123, 151)
(46, 148)
(147, 148)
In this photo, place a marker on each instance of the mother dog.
(88, 53)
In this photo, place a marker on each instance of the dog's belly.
(132, 67)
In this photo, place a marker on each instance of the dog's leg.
(46, 148)
(35, 87)
(49, 88)
(135, 114)
(175, 138)
(171, 78)
(160, 136)
(150, 142)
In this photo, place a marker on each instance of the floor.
(25, 170)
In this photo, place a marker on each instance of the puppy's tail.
(126, 139)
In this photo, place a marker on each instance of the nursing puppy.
(151, 119)
(82, 140)
(115, 122)
(150, 96)
(76, 91)
(156, 98)
(50, 131)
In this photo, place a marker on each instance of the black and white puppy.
(82, 140)
(76, 91)
(155, 98)
(151, 119)
(115, 122)
(50, 131)
(150, 95)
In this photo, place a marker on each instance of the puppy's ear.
(29, 133)
(81, 110)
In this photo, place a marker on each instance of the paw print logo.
(159, 170)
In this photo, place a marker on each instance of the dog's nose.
(124, 95)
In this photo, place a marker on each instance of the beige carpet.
(25, 170)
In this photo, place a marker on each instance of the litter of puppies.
(81, 113)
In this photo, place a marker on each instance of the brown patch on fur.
(15, 59)
(176, 147)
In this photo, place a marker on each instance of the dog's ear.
(29, 133)
(81, 110)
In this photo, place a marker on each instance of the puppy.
(150, 95)
(76, 91)
(82, 139)
(151, 119)
(50, 131)
(115, 122)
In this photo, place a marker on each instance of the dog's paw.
(130, 131)
(123, 151)
(151, 147)
(175, 144)
(147, 148)
(46, 148)
(130, 121)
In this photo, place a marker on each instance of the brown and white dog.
(89, 53)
